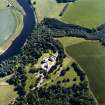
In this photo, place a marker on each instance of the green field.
(12, 26)
(87, 13)
(91, 57)
(31, 79)
(47, 8)
(7, 93)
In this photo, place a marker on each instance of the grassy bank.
(19, 26)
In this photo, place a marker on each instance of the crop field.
(91, 57)
(87, 13)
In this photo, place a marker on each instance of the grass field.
(67, 41)
(47, 8)
(87, 13)
(7, 93)
(31, 79)
(91, 57)
(14, 23)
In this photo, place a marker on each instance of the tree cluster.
(65, 1)
(56, 95)
(62, 29)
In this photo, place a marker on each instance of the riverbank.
(29, 23)
(19, 26)
(17, 12)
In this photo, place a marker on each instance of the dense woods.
(62, 29)
(56, 95)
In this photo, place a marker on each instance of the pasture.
(47, 8)
(86, 13)
(91, 57)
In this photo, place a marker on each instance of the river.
(29, 23)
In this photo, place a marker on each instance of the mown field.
(87, 13)
(91, 57)
(47, 8)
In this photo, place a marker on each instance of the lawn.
(54, 77)
(31, 79)
(91, 57)
(87, 13)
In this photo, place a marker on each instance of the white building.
(48, 63)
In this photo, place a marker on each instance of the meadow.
(47, 8)
(7, 93)
(91, 57)
(86, 13)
